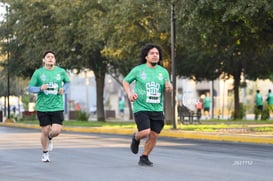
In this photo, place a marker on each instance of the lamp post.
(86, 76)
(8, 67)
(173, 63)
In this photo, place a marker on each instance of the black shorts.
(147, 119)
(260, 107)
(49, 118)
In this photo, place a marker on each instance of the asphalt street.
(103, 157)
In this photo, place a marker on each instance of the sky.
(2, 11)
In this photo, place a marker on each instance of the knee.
(55, 133)
(144, 133)
(153, 135)
(55, 130)
(45, 130)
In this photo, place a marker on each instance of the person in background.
(206, 106)
(269, 100)
(50, 83)
(151, 80)
(259, 103)
(199, 107)
(121, 106)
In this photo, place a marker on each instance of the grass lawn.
(206, 126)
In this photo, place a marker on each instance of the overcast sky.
(2, 11)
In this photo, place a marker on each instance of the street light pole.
(8, 57)
(173, 64)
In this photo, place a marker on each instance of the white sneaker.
(50, 145)
(45, 157)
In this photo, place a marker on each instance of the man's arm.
(131, 96)
(34, 89)
(168, 86)
(64, 88)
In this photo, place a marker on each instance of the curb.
(243, 138)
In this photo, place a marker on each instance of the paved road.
(103, 157)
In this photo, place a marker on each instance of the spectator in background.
(269, 100)
(206, 106)
(14, 109)
(121, 106)
(258, 103)
(199, 107)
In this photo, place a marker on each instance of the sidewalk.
(228, 135)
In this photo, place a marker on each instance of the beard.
(49, 65)
(154, 64)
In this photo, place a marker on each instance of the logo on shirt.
(43, 77)
(52, 88)
(58, 77)
(160, 76)
(153, 93)
(143, 75)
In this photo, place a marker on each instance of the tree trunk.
(168, 109)
(236, 83)
(130, 109)
(100, 90)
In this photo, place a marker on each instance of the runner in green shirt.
(50, 83)
(151, 80)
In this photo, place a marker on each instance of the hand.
(43, 87)
(168, 87)
(132, 97)
(61, 91)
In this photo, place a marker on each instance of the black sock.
(144, 156)
(45, 151)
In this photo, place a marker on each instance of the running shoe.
(50, 145)
(144, 161)
(134, 144)
(45, 157)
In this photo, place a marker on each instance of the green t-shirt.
(121, 105)
(149, 85)
(270, 99)
(206, 103)
(259, 99)
(49, 100)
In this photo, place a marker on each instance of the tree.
(226, 37)
(131, 25)
(70, 32)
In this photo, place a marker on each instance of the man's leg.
(148, 147)
(142, 134)
(136, 139)
(44, 137)
(55, 130)
(150, 143)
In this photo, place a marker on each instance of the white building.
(83, 92)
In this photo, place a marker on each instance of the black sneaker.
(144, 161)
(134, 144)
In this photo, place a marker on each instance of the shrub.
(82, 116)
(264, 113)
(242, 112)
